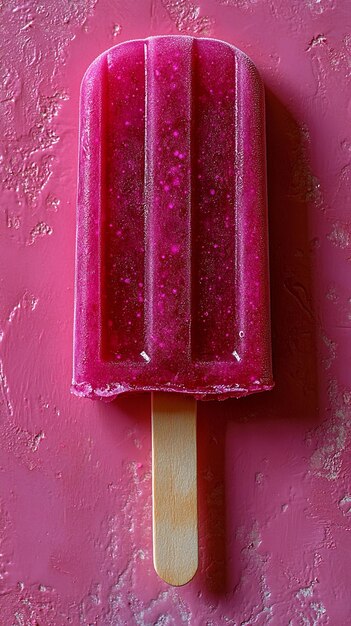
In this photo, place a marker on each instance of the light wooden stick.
(174, 487)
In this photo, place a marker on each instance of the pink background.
(274, 486)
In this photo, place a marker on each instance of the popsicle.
(172, 291)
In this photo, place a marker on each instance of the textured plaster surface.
(274, 470)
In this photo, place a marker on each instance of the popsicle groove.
(168, 201)
(213, 185)
(123, 241)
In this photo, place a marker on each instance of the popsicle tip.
(178, 575)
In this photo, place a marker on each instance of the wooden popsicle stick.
(175, 536)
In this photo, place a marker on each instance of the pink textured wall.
(275, 492)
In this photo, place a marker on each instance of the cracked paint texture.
(274, 470)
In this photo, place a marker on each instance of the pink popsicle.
(172, 269)
(172, 288)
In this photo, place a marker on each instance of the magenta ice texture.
(172, 288)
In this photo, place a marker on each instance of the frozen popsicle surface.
(172, 288)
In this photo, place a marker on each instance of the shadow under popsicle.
(291, 194)
(291, 197)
